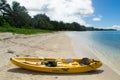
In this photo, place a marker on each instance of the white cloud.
(97, 18)
(115, 27)
(61, 10)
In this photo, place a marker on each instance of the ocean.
(104, 44)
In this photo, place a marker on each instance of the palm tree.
(2, 4)
(16, 15)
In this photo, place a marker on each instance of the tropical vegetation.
(17, 17)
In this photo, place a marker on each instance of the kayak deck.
(62, 65)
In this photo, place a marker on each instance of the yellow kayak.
(56, 65)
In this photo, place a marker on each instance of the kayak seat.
(85, 61)
(51, 63)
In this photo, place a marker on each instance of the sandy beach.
(44, 45)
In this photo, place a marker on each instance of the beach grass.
(23, 30)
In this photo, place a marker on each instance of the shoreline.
(89, 50)
(56, 44)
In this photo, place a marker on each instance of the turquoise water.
(106, 43)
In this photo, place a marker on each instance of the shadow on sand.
(23, 71)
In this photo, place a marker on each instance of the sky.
(95, 13)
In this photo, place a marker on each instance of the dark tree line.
(17, 16)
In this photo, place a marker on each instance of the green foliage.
(56, 25)
(41, 21)
(89, 28)
(17, 16)
(2, 4)
(1, 21)
(23, 31)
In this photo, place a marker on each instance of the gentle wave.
(103, 44)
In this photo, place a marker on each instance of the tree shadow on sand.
(23, 71)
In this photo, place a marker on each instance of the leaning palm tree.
(2, 4)
(5, 8)
(16, 15)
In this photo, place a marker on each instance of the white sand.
(43, 45)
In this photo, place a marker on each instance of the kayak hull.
(34, 64)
